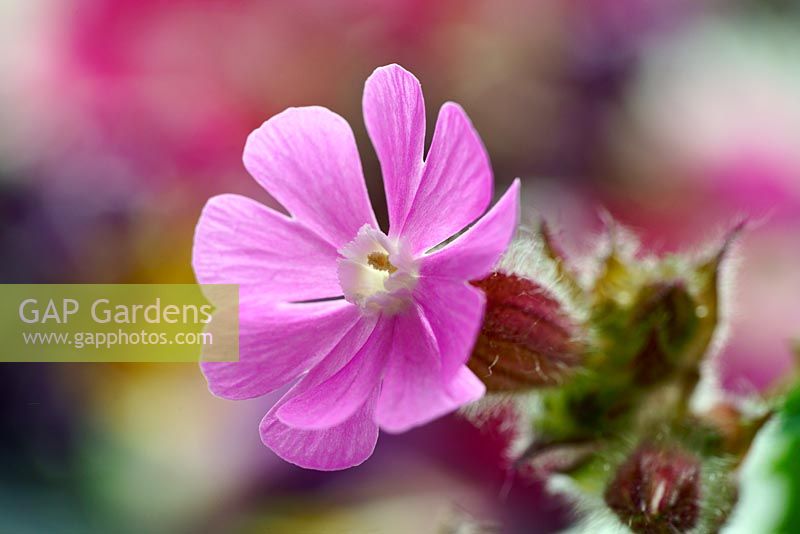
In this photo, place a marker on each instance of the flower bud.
(657, 490)
(527, 339)
(670, 313)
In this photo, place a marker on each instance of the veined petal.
(414, 390)
(394, 112)
(454, 311)
(473, 254)
(307, 159)
(278, 344)
(240, 241)
(456, 183)
(346, 445)
(327, 400)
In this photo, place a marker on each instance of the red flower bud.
(527, 340)
(657, 490)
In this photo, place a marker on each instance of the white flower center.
(377, 273)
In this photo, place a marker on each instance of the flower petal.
(330, 400)
(455, 313)
(307, 159)
(473, 254)
(394, 112)
(414, 391)
(456, 183)
(279, 343)
(345, 445)
(240, 241)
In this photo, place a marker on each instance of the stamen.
(380, 261)
(377, 273)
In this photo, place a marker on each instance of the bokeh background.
(119, 118)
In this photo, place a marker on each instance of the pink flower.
(391, 354)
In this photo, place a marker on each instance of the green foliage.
(650, 323)
(646, 326)
(770, 476)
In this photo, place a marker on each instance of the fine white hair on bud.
(527, 257)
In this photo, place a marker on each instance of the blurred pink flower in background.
(711, 135)
(182, 74)
(392, 353)
(727, 112)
